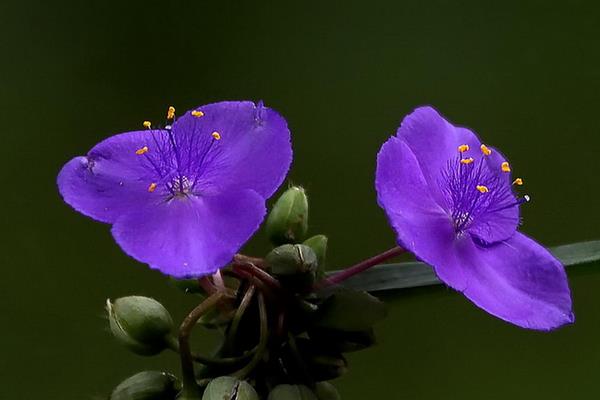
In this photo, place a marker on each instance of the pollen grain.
(197, 114)
(485, 150)
(482, 189)
(463, 147)
(147, 124)
(467, 160)
(518, 182)
(152, 187)
(141, 151)
(216, 135)
(505, 167)
(171, 112)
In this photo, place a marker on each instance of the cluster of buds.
(284, 333)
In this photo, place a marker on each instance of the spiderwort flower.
(453, 203)
(184, 198)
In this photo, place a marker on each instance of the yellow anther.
(197, 114)
(216, 135)
(141, 151)
(505, 167)
(482, 189)
(152, 187)
(485, 150)
(467, 160)
(171, 112)
(147, 124)
(518, 182)
(463, 147)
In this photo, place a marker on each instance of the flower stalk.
(190, 386)
(262, 343)
(358, 268)
(239, 313)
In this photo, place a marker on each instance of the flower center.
(473, 189)
(176, 161)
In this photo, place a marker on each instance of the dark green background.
(524, 75)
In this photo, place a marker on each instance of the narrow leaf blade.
(415, 274)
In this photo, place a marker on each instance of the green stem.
(191, 390)
(262, 343)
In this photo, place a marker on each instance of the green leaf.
(415, 274)
(349, 310)
(577, 253)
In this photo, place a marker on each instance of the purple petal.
(516, 280)
(421, 225)
(254, 150)
(191, 236)
(435, 142)
(110, 180)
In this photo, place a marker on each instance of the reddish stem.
(243, 259)
(206, 284)
(258, 273)
(360, 267)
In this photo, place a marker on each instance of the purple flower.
(451, 201)
(186, 197)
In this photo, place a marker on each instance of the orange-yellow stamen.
(505, 167)
(466, 160)
(463, 147)
(485, 150)
(197, 114)
(482, 189)
(518, 182)
(171, 112)
(152, 187)
(141, 151)
(216, 135)
(147, 124)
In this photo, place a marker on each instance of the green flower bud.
(291, 392)
(326, 391)
(350, 310)
(318, 244)
(147, 385)
(288, 220)
(229, 388)
(294, 265)
(140, 323)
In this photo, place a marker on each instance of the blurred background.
(525, 75)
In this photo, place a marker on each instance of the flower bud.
(288, 220)
(230, 388)
(147, 385)
(291, 392)
(318, 244)
(326, 391)
(294, 265)
(140, 323)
